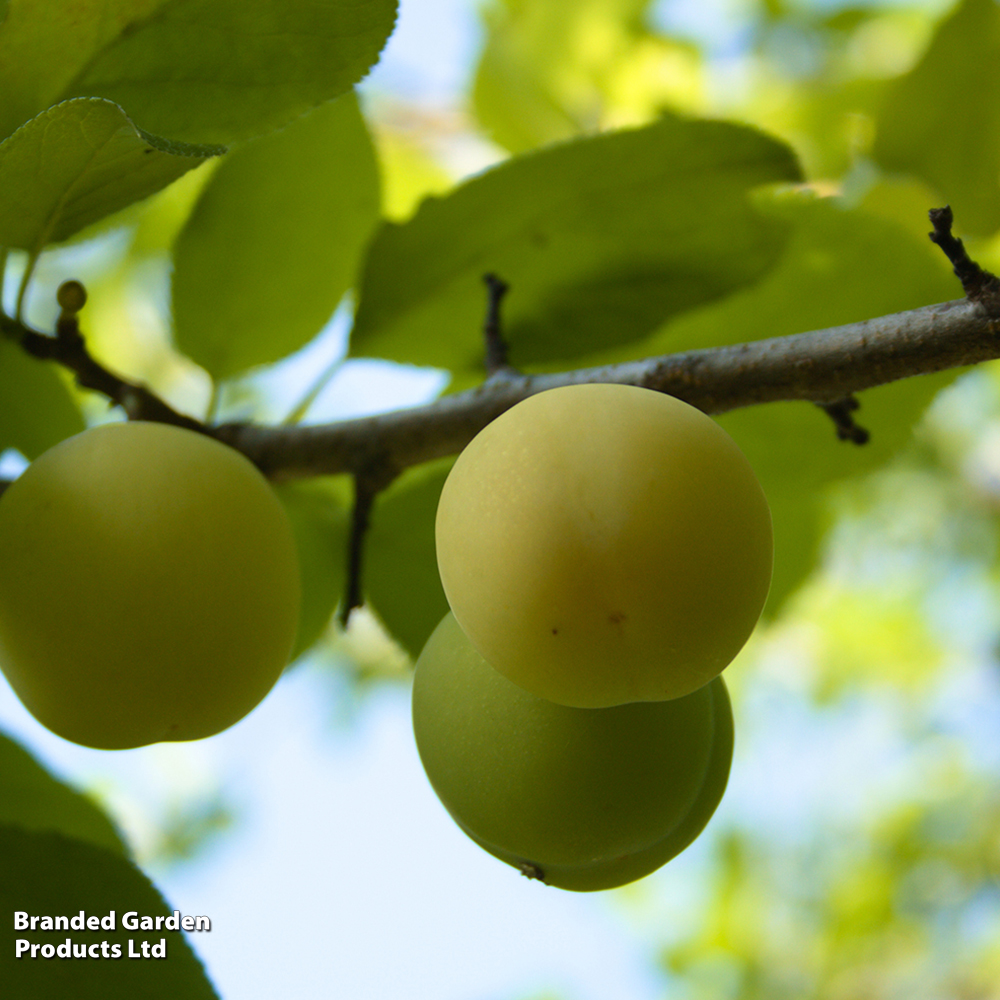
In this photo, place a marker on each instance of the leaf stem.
(214, 401)
(298, 412)
(29, 270)
(4, 254)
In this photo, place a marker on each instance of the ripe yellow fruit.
(604, 544)
(149, 586)
(583, 799)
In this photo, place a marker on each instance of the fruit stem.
(367, 486)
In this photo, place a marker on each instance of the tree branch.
(68, 348)
(978, 285)
(823, 366)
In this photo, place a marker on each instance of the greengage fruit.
(149, 586)
(583, 799)
(604, 544)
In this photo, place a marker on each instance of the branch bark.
(822, 366)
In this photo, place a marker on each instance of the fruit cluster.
(149, 586)
(606, 552)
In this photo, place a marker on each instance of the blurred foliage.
(188, 829)
(942, 120)
(905, 907)
(868, 865)
(550, 71)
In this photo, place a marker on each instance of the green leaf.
(48, 874)
(600, 240)
(839, 267)
(76, 163)
(941, 121)
(33, 799)
(274, 241)
(320, 516)
(204, 71)
(400, 568)
(36, 407)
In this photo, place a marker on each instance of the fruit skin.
(584, 799)
(149, 586)
(604, 544)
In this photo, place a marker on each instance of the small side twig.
(496, 361)
(978, 284)
(69, 349)
(840, 413)
(367, 486)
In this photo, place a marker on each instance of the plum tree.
(150, 586)
(604, 544)
(653, 226)
(583, 799)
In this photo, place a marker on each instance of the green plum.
(605, 544)
(583, 799)
(149, 586)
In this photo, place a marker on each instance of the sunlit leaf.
(33, 799)
(876, 636)
(211, 71)
(49, 874)
(409, 173)
(79, 162)
(512, 93)
(159, 220)
(273, 243)
(600, 240)
(550, 70)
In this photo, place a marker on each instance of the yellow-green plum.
(583, 799)
(149, 586)
(604, 544)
